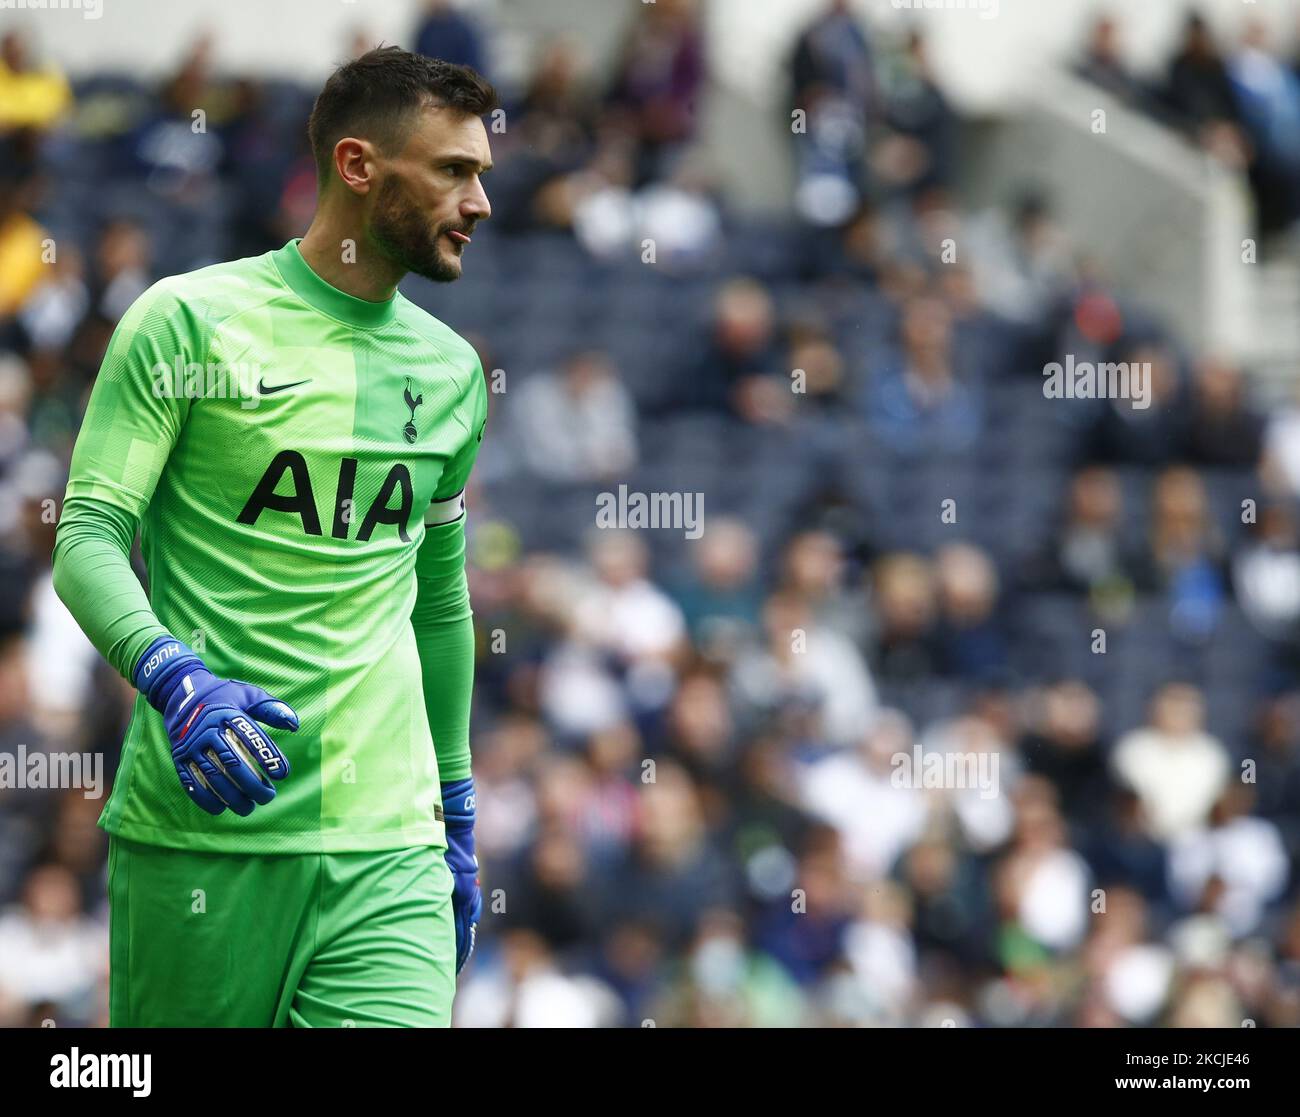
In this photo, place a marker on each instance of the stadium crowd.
(701, 761)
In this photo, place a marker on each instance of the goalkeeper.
(291, 827)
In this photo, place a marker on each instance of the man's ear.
(354, 163)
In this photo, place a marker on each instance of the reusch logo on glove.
(270, 761)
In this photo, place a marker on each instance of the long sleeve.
(444, 634)
(442, 620)
(131, 424)
(94, 578)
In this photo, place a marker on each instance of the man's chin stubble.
(439, 269)
(433, 267)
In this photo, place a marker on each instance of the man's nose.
(476, 204)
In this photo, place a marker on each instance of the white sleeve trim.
(445, 511)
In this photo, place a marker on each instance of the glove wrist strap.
(458, 803)
(164, 662)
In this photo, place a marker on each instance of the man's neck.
(336, 255)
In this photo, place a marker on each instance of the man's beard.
(402, 234)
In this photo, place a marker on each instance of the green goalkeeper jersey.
(296, 460)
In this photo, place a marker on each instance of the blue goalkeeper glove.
(458, 808)
(222, 758)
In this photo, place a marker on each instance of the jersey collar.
(325, 297)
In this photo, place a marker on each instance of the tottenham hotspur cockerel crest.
(412, 402)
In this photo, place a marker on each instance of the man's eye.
(454, 169)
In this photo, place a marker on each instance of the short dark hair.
(376, 94)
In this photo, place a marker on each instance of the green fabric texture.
(278, 443)
(224, 940)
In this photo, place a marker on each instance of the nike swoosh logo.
(266, 390)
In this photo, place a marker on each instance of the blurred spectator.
(1280, 464)
(58, 302)
(177, 160)
(24, 243)
(814, 570)
(50, 951)
(557, 111)
(657, 83)
(1087, 553)
(970, 633)
(856, 792)
(904, 607)
(24, 812)
(527, 989)
(1184, 558)
(803, 662)
(448, 33)
(701, 733)
(550, 139)
(951, 896)
(1064, 745)
(916, 403)
(30, 97)
(1175, 767)
(980, 753)
(882, 956)
(807, 934)
(62, 659)
(576, 425)
(1275, 748)
(1042, 882)
(1124, 850)
(680, 218)
(725, 984)
(1266, 574)
(833, 87)
(624, 613)
(917, 151)
(15, 402)
(1103, 65)
(1199, 90)
(1132, 977)
(1267, 94)
(123, 268)
(673, 863)
(1022, 261)
(740, 353)
(1146, 426)
(1235, 867)
(825, 380)
(1222, 427)
(722, 599)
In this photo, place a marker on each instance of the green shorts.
(315, 940)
